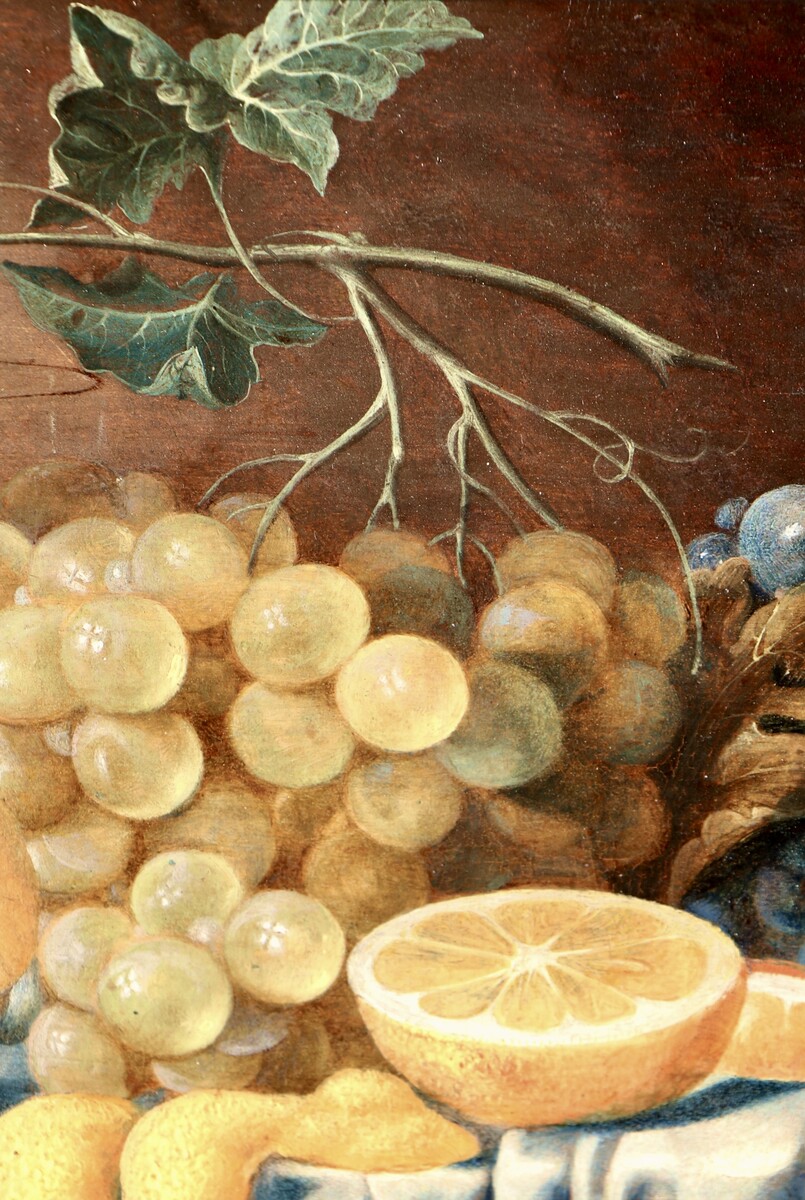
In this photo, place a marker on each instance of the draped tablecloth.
(735, 1140)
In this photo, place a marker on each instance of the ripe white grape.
(512, 731)
(297, 625)
(375, 553)
(227, 817)
(138, 766)
(284, 948)
(58, 490)
(649, 619)
(408, 803)
(36, 785)
(70, 1051)
(402, 693)
(33, 687)
(15, 554)
(297, 816)
(192, 565)
(83, 853)
(178, 888)
(422, 600)
(553, 835)
(361, 882)
(289, 739)
(553, 628)
(300, 1061)
(123, 654)
(165, 997)
(75, 947)
(71, 561)
(279, 547)
(253, 1027)
(207, 1069)
(632, 717)
(144, 498)
(210, 685)
(631, 823)
(564, 557)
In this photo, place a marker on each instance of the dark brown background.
(648, 154)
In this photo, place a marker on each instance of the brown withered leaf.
(745, 766)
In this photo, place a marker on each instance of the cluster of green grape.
(227, 779)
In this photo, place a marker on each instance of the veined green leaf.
(313, 57)
(196, 341)
(121, 142)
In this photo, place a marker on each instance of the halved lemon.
(769, 1039)
(541, 1006)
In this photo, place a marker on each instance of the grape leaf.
(196, 341)
(749, 767)
(121, 143)
(313, 57)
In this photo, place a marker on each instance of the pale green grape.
(227, 817)
(178, 888)
(649, 619)
(33, 686)
(284, 948)
(289, 739)
(144, 498)
(70, 1051)
(297, 625)
(138, 766)
(565, 557)
(512, 731)
(123, 654)
(165, 997)
(408, 803)
(71, 561)
(36, 785)
(402, 693)
(300, 1061)
(279, 546)
(632, 717)
(372, 554)
(361, 882)
(75, 947)
(553, 628)
(59, 490)
(15, 554)
(83, 853)
(207, 1069)
(192, 565)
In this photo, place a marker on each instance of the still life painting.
(402, 614)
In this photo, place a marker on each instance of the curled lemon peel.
(208, 1144)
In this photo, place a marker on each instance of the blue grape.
(730, 513)
(772, 537)
(779, 900)
(709, 550)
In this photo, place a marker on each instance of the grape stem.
(349, 258)
(657, 352)
(462, 380)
